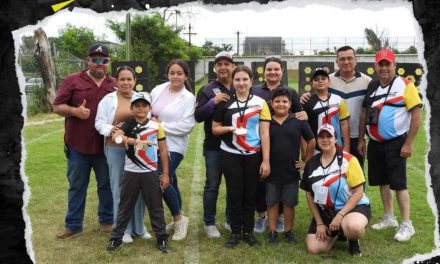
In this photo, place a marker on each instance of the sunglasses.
(100, 61)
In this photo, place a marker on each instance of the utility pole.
(128, 36)
(189, 33)
(238, 43)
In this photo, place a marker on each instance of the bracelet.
(320, 224)
(339, 213)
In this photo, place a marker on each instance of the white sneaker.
(385, 222)
(146, 235)
(127, 239)
(212, 231)
(181, 228)
(260, 224)
(280, 224)
(169, 227)
(228, 227)
(404, 232)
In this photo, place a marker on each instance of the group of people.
(260, 138)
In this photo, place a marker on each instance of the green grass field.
(45, 167)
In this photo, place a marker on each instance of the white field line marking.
(42, 136)
(42, 122)
(192, 253)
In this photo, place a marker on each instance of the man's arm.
(361, 140)
(68, 111)
(414, 125)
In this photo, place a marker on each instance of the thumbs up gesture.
(81, 111)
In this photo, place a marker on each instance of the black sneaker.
(233, 241)
(289, 237)
(115, 243)
(250, 239)
(272, 238)
(354, 248)
(162, 245)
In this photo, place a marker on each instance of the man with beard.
(77, 100)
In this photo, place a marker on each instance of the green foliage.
(361, 50)
(410, 50)
(76, 40)
(37, 102)
(154, 41)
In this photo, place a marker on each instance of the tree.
(154, 41)
(377, 40)
(76, 40)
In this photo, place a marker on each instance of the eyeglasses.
(100, 61)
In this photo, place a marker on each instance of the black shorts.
(385, 166)
(285, 193)
(363, 209)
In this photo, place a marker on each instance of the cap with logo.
(319, 71)
(98, 49)
(328, 128)
(385, 54)
(140, 96)
(223, 55)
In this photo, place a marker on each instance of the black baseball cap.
(99, 49)
(319, 71)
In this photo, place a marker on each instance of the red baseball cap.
(385, 54)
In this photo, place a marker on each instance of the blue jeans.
(171, 195)
(212, 184)
(79, 167)
(116, 161)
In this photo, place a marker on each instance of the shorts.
(286, 193)
(363, 209)
(385, 166)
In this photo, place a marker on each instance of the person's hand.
(361, 147)
(164, 181)
(264, 170)
(406, 150)
(305, 97)
(302, 116)
(81, 111)
(299, 165)
(335, 225)
(321, 232)
(221, 97)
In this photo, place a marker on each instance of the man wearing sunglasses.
(77, 100)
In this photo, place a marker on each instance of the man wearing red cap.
(391, 117)
(77, 100)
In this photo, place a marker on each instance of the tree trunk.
(47, 68)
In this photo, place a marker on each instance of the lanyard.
(241, 113)
(325, 108)
(388, 92)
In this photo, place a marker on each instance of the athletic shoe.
(385, 222)
(233, 241)
(250, 239)
(162, 244)
(228, 227)
(404, 232)
(354, 248)
(289, 237)
(115, 243)
(212, 231)
(169, 227)
(146, 235)
(67, 233)
(127, 239)
(260, 224)
(272, 238)
(181, 228)
(280, 224)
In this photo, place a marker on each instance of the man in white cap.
(77, 100)
(208, 97)
(391, 117)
